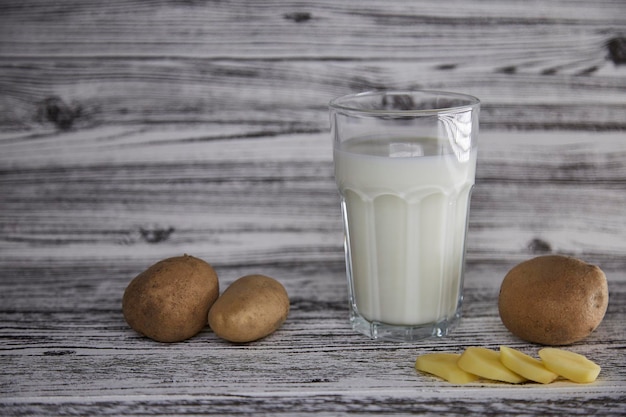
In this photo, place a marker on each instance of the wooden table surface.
(131, 131)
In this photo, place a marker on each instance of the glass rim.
(339, 103)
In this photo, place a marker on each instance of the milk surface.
(406, 204)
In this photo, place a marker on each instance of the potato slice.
(444, 365)
(570, 365)
(486, 363)
(526, 366)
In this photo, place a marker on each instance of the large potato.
(251, 308)
(169, 301)
(553, 300)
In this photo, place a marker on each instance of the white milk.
(407, 217)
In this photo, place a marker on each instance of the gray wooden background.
(136, 130)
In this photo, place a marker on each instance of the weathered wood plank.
(314, 355)
(325, 404)
(273, 29)
(74, 307)
(103, 195)
(83, 93)
(179, 61)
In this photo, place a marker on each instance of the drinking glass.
(405, 164)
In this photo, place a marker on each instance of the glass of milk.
(405, 164)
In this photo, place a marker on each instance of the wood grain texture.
(135, 130)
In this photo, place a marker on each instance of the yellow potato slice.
(526, 366)
(570, 365)
(444, 366)
(486, 363)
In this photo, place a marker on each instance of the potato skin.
(169, 301)
(553, 300)
(251, 308)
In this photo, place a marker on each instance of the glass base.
(384, 331)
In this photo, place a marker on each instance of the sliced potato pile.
(508, 365)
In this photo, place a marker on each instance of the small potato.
(251, 308)
(553, 300)
(169, 301)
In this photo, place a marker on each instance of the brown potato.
(553, 300)
(251, 308)
(169, 301)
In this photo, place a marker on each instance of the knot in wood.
(156, 234)
(298, 17)
(539, 246)
(54, 109)
(617, 50)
